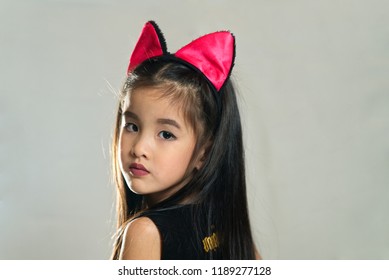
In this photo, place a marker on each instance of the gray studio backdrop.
(313, 88)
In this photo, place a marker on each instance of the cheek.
(122, 148)
(123, 142)
(182, 159)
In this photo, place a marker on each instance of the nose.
(140, 146)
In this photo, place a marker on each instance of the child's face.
(155, 146)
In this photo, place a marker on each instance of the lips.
(138, 170)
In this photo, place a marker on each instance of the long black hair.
(217, 189)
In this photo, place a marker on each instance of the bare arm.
(141, 241)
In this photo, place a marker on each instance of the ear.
(201, 157)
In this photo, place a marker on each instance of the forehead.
(154, 101)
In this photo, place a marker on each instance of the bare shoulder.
(141, 241)
(257, 255)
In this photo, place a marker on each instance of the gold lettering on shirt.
(210, 242)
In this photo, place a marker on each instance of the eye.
(130, 127)
(166, 135)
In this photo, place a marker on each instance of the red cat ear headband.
(212, 54)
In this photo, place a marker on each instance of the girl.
(178, 155)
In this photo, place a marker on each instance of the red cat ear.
(151, 43)
(212, 54)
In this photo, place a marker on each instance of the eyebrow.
(169, 122)
(129, 114)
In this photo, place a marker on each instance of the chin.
(137, 190)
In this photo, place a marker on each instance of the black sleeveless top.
(179, 238)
